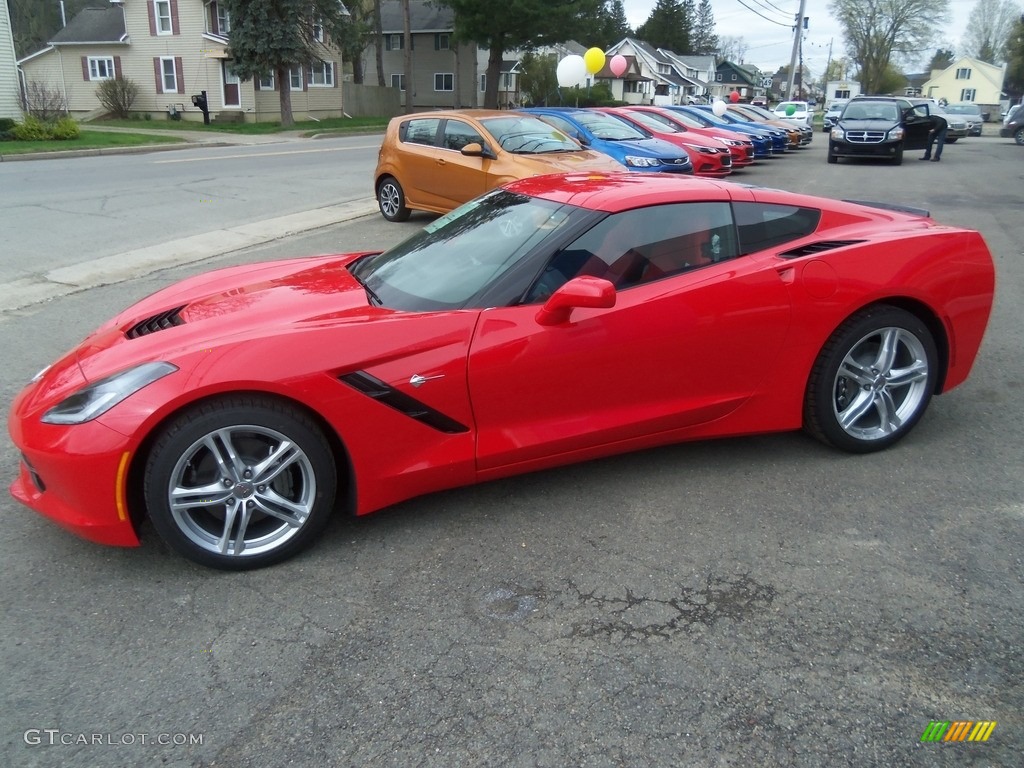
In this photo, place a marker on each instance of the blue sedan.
(617, 138)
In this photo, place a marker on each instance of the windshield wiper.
(371, 296)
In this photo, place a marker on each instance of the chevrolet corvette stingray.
(557, 319)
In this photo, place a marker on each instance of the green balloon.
(791, 110)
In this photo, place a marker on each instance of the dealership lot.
(758, 601)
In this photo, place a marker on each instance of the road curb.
(103, 151)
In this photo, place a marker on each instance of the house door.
(232, 87)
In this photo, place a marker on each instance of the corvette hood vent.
(164, 320)
(812, 248)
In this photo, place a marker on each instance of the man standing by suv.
(937, 136)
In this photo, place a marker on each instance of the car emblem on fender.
(417, 381)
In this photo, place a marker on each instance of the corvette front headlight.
(100, 396)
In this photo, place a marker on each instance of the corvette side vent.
(163, 321)
(384, 393)
(812, 248)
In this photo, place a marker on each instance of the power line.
(758, 13)
(772, 8)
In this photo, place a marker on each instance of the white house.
(968, 79)
(10, 102)
(173, 50)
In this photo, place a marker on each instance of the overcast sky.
(770, 45)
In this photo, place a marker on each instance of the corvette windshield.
(455, 257)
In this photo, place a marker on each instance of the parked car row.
(435, 161)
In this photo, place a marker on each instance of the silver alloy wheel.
(881, 383)
(390, 199)
(242, 490)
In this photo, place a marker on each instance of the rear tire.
(391, 199)
(1019, 137)
(872, 380)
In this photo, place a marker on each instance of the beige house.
(173, 50)
(444, 75)
(968, 79)
(10, 103)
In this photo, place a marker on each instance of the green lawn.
(87, 140)
(330, 125)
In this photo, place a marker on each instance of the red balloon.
(734, 96)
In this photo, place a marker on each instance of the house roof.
(631, 73)
(424, 16)
(93, 25)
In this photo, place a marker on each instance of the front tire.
(240, 483)
(872, 380)
(897, 159)
(391, 200)
(1019, 137)
(832, 158)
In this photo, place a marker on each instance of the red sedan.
(557, 319)
(742, 149)
(710, 157)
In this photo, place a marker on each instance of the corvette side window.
(642, 245)
(766, 225)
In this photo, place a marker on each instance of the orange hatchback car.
(436, 161)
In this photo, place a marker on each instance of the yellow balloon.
(594, 59)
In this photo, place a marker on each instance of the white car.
(795, 111)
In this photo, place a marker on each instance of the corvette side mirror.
(595, 292)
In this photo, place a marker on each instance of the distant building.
(445, 74)
(968, 79)
(10, 100)
(174, 49)
(841, 89)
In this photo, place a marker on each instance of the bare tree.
(877, 31)
(45, 103)
(988, 29)
(732, 49)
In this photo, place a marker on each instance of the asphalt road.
(762, 601)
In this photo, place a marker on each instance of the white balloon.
(572, 70)
(719, 107)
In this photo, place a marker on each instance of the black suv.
(879, 126)
(1014, 126)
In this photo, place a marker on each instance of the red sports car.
(710, 157)
(557, 319)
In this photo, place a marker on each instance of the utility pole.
(824, 79)
(798, 33)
